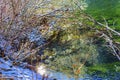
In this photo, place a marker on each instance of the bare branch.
(115, 49)
(103, 25)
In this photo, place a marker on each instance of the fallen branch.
(115, 49)
(100, 24)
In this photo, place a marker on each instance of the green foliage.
(109, 9)
(70, 48)
(73, 48)
(71, 51)
(104, 68)
(76, 52)
(106, 8)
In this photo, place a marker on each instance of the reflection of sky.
(52, 74)
(62, 76)
(18, 73)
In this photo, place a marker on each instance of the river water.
(22, 73)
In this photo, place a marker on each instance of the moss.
(104, 68)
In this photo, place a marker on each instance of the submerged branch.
(115, 49)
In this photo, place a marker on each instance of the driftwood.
(107, 37)
(111, 44)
